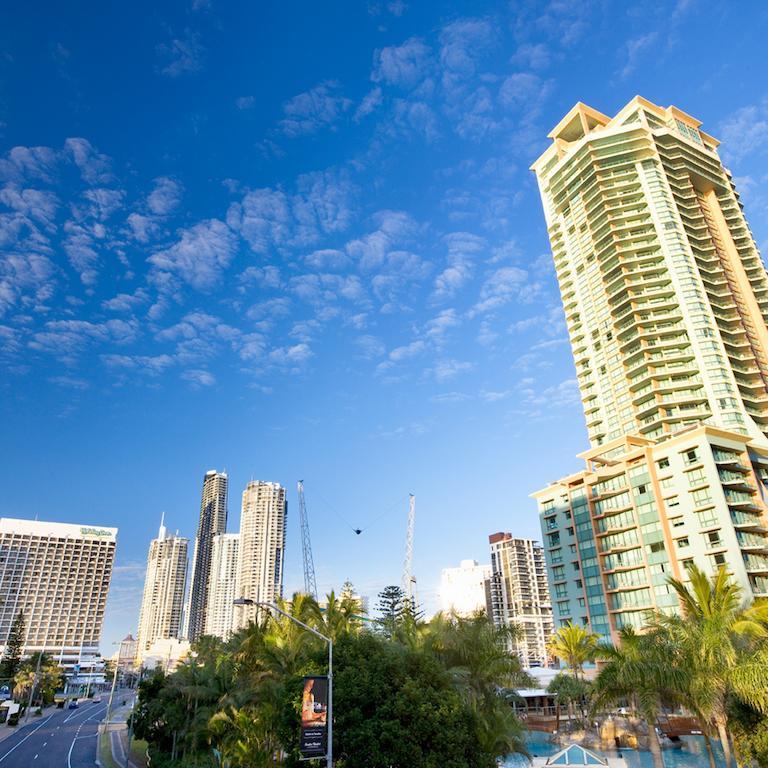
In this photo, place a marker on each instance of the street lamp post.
(114, 682)
(243, 601)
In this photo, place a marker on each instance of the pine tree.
(11, 661)
(390, 609)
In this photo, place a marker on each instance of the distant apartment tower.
(163, 599)
(666, 302)
(520, 595)
(262, 546)
(213, 521)
(57, 574)
(222, 589)
(465, 590)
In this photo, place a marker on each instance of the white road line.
(25, 738)
(77, 735)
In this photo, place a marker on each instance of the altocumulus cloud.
(200, 255)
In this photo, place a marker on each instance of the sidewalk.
(117, 731)
(8, 730)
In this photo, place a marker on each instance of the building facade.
(641, 512)
(213, 521)
(58, 575)
(465, 590)
(262, 546)
(163, 600)
(222, 589)
(664, 291)
(666, 301)
(519, 595)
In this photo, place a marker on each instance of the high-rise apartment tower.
(666, 300)
(223, 585)
(262, 546)
(58, 575)
(213, 521)
(163, 599)
(665, 294)
(520, 595)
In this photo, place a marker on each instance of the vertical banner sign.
(314, 718)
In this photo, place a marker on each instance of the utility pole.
(310, 583)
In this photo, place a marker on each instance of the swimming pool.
(692, 754)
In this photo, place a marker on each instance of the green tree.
(569, 691)
(12, 656)
(574, 645)
(719, 642)
(639, 670)
(390, 610)
(397, 706)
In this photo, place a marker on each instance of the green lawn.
(105, 752)
(139, 753)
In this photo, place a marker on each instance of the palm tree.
(718, 638)
(574, 645)
(638, 669)
(478, 657)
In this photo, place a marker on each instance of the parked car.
(72, 704)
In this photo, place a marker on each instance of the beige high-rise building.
(520, 595)
(666, 300)
(58, 575)
(222, 589)
(262, 546)
(665, 294)
(163, 600)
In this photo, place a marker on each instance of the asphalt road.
(59, 739)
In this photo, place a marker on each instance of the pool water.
(692, 754)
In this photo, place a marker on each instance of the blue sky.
(301, 240)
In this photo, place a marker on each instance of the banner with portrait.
(314, 718)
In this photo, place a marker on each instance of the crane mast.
(310, 584)
(409, 580)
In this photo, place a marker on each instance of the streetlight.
(243, 601)
(114, 681)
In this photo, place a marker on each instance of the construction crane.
(409, 580)
(310, 584)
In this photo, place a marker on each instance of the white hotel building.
(58, 574)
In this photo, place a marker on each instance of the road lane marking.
(25, 738)
(77, 735)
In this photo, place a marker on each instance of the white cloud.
(407, 351)
(449, 369)
(66, 339)
(182, 54)
(165, 197)
(327, 258)
(634, 51)
(463, 249)
(26, 281)
(503, 286)
(291, 356)
(370, 103)
(245, 102)
(27, 163)
(199, 378)
(94, 167)
(745, 133)
(152, 365)
(403, 65)
(310, 111)
(201, 254)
